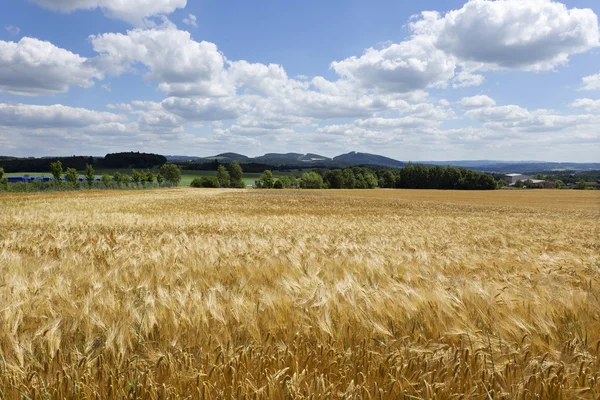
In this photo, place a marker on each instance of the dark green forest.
(114, 160)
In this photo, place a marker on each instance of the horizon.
(405, 81)
(323, 155)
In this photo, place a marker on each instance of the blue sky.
(427, 80)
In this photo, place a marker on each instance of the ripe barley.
(299, 294)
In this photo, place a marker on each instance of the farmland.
(300, 294)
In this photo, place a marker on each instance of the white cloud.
(54, 116)
(203, 109)
(379, 123)
(135, 12)
(512, 34)
(482, 35)
(106, 87)
(467, 79)
(591, 82)
(587, 104)
(191, 20)
(33, 67)
(182, 66)
(477, 102)
(514, 120)
(410, 65)
(12, 30)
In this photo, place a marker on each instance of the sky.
(419, 80)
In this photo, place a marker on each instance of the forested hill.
(357, 158)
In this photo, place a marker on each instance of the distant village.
(520, 180)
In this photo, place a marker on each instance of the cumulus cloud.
(203, 109)
(591, 82)
(410, 65)
(190, 20)
(33, 67)
(482, 35)
(467, 79)
(477, 102)
(135, 12)
(514, 119)
(181, 65)
(53, 116)
(587, 104)
(512, 34)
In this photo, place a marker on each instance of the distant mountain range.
(355, 158)
(297, 159)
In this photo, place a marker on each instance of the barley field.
(224, 294)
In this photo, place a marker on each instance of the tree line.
(112, 160)
(69, 179)
(230, 177)
(410, 177)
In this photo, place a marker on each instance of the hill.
(290, 159)
(355, 158)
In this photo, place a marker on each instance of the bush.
(205, 182)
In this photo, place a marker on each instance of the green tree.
(57, 170)
(137, 176)
(149, 176)
(293, 181)
(122, 178)
(160, 179)
(237, 175)
(388, 179)
(528, 183)
(501, 183)
(71, 175)
(370, 179)
(311, 180)
(579, 185)
(105, 178)
(1, 173)
(266, 180)
(348, 179)
(334, 178)
(223, 177)
(171, 173)
(278, 184)
(205, 182)
(285, 182)
(558, 184)
(89, 174)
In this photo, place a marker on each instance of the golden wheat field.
(381, 294)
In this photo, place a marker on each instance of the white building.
(514, 178)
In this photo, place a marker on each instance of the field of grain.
(220, 294)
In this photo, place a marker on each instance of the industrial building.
(511, 179)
